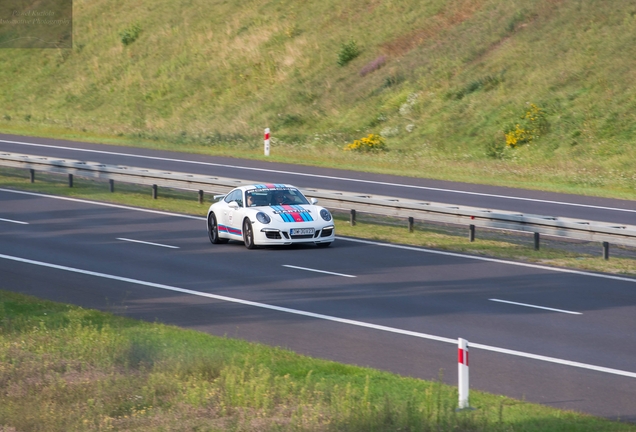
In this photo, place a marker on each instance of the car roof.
(266, 186)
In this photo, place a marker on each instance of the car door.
(233, 212)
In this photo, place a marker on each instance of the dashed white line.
(318, 271)
(14, 221)
(147, 243)
(355, 240)
(325, 317)
(536, 307)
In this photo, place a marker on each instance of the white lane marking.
(147, 243)
(536, 307)
(354, 240)
(14, 221)
(323, 176)
(318, 271)
(79, 200)
(323, 317)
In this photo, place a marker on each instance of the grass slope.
(65, 368)
(442, 80)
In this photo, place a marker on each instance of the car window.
(228, 198)
(256, 199)
(235, 195)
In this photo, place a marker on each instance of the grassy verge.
(492, 243)
(65, 368)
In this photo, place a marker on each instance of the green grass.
(492, 243)
(457, 74)
(65, 368)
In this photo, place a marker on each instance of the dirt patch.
(455, 14)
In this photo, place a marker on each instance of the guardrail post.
(154, 191)
(32, 175)
(111, 185)
(471, 233)
(605, 250)
(352, 217)
(70, 180)
(462, 373)
(200, 196)
(536, 241)
(411, 223)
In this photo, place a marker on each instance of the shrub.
(533, 124)
(130, 34)
(372, 143)
(348, 52)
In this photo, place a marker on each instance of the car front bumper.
(275, 236)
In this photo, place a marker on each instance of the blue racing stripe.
(303, 213)
(286, 217)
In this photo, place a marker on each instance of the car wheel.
(248, 234)
(213, 230)
(323, 245)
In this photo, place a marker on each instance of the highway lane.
(406, 289)
(525, 201)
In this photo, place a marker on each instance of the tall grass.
(64, 368)
(213, 81)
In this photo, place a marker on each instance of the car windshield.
(274, 197)
(287, 197)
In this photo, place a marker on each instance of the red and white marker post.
(266, 141)
(462, 366)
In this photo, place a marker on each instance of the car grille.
(272, 235)
(326, 232)
(304, 236)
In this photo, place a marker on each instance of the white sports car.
(269, 214)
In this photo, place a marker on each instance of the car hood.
(291, 213)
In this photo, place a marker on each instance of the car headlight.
(324, 213)
(263, 218)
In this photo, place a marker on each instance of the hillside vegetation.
(533, 93)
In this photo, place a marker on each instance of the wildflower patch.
(372, 143)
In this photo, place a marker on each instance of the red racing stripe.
(294, 213)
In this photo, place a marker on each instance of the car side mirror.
(314, 201)
(233, 205)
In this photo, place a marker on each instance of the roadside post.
(266, 141)
(462, 365)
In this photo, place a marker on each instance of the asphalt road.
(492, 197)
(393, 308)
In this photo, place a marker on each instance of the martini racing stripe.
(304, 213)
(230, 230)
(286, 217)
(293, 213)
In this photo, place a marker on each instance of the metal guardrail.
(375, 204)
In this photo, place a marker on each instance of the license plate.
(301, 231)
